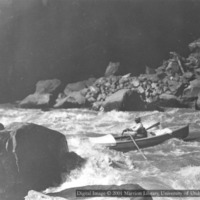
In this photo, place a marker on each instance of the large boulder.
(72, 193)
(73, 87)
(1, 126)
(74, 94)
(168, 100)
(47, 86)
(193, 89)
(36, 100)
(32, 157)
(190, 95)
(77, 86)
(188, 102)
(44, 96)
(72, 100)
(124, 100)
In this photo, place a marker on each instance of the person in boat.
(138, 130)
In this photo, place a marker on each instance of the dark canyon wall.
(74, 39)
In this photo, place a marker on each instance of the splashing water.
(174, 164)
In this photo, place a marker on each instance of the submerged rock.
(32, 157)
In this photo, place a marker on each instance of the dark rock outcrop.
(44, 96)
(32, 157)
(71, 193)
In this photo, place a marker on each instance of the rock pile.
(104, 87)
(164, 85)
(176, 83)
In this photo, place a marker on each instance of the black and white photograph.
(99, 99)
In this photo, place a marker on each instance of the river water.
(174, 164)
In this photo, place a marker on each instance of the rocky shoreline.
(176, 83)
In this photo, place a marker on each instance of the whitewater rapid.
(174, 164)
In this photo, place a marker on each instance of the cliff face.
(72, 40)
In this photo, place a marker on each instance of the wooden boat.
(125, 144)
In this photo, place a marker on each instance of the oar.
(156, 124)
(137, 147)
(136, 143)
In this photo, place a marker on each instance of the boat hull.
(128, 145)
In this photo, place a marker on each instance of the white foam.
(75, 123)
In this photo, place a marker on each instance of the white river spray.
(174, 164)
